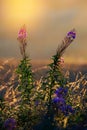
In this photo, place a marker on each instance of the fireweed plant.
(55, 91)
(25, 82)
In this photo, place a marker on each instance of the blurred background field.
(8, 74)
(8, 66)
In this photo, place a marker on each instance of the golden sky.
(47, 22)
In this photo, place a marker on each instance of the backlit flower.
(72, 34)
(22, 34)
(22, 38)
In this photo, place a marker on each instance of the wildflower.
(69, 38)
(55, 100)
(22, 38)
(60, 92)
(59, 101)
(22, 34)
(10, 124)
(72, 34)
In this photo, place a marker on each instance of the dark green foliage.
(25, 87)
(25, 80)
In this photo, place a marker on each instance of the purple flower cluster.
(60, 102)
(72, 34)
(61, 92)
(10, 124)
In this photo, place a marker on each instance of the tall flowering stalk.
(55, 78)
(55, 74)
(25, 81)
(22, 38)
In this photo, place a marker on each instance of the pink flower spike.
(22, 34)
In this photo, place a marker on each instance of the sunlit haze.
(47, 22)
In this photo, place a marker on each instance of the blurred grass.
(9, 79)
